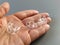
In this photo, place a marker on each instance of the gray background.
(52, 7)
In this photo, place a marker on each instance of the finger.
(24, 14)
(4, 8)
(48, 19)
(47, 27)
(46, 15)
(35, 33)
(33, 18)
(36, 18)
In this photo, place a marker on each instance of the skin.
(25, 35)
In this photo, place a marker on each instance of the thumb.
(4, 8)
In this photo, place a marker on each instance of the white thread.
(12, 28)
(41, 21)
(32, 24)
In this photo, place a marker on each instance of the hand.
(23, 34)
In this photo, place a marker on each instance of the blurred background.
(52, 37)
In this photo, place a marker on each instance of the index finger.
(25, 14)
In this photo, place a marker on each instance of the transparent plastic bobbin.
(31, 24)
(12, 28)
(41, 21)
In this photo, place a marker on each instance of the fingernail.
(37, 11)
(47, 14)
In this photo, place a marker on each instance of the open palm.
(23, 27)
